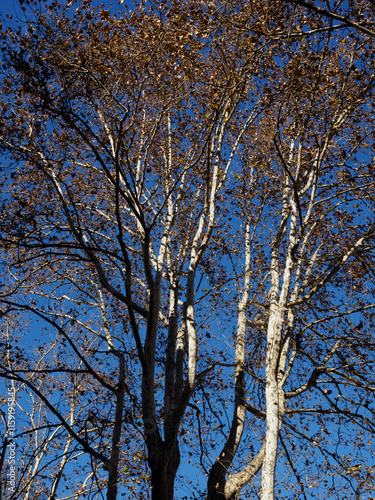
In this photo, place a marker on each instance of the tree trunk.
(112, 483)
(163, 474)
(216, 482)
(172, 469)
(272, 403)
(159, 484)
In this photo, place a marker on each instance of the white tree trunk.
(272, 403)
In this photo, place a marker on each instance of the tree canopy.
(187, 249)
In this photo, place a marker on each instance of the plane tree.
(187, 224)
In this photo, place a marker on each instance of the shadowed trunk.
(163, 474)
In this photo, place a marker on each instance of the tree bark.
(272, 403)
(172, 469)
(163, 473)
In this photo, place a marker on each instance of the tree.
(188, 214)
